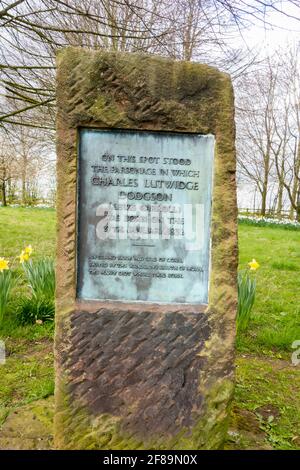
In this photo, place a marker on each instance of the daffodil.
(23, 257)
(3, 264)
(254, 265)
(28, 250)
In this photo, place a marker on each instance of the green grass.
(285, 266)
(27, 374)
(275, 322)
(266, 411)
(13, 330)
(266, 404)
(24, 226)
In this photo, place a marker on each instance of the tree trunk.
(298, 206)
(294, 195)
(24, 178)
(279, 201)
(264, 200)
(296, 187)
(9, 192)
(3, 194)
(23, 191)
(291, 213)
(280, 190)
(264, 192)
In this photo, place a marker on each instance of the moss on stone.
(105, 432)
(107, 111)
(29, 427)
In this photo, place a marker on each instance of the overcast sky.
(277, 31)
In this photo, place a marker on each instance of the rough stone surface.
(139, 376)
(150, 355)
(29, 427)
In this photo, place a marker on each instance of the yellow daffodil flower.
(28, 250)
(3, 264)
(254, 265)
(23, 257)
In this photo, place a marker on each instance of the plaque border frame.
(79, 299)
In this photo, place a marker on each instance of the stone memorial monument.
(146, 254)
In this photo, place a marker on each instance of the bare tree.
(32, 32)
(255, 125)
(7, 167)
(27, 162)
(268, 127)
(286, 122)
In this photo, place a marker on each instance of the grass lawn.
(25, 226)
(276, 314)
(266, 408)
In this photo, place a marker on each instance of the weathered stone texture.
(135, 376)
(29, 427)
(141, 366)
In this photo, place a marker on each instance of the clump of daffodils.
(6, 285)
(37, 306)
(253, 265)
(4, 264)
(25, 254)
(246, 295)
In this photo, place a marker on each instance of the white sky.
(278, 30)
